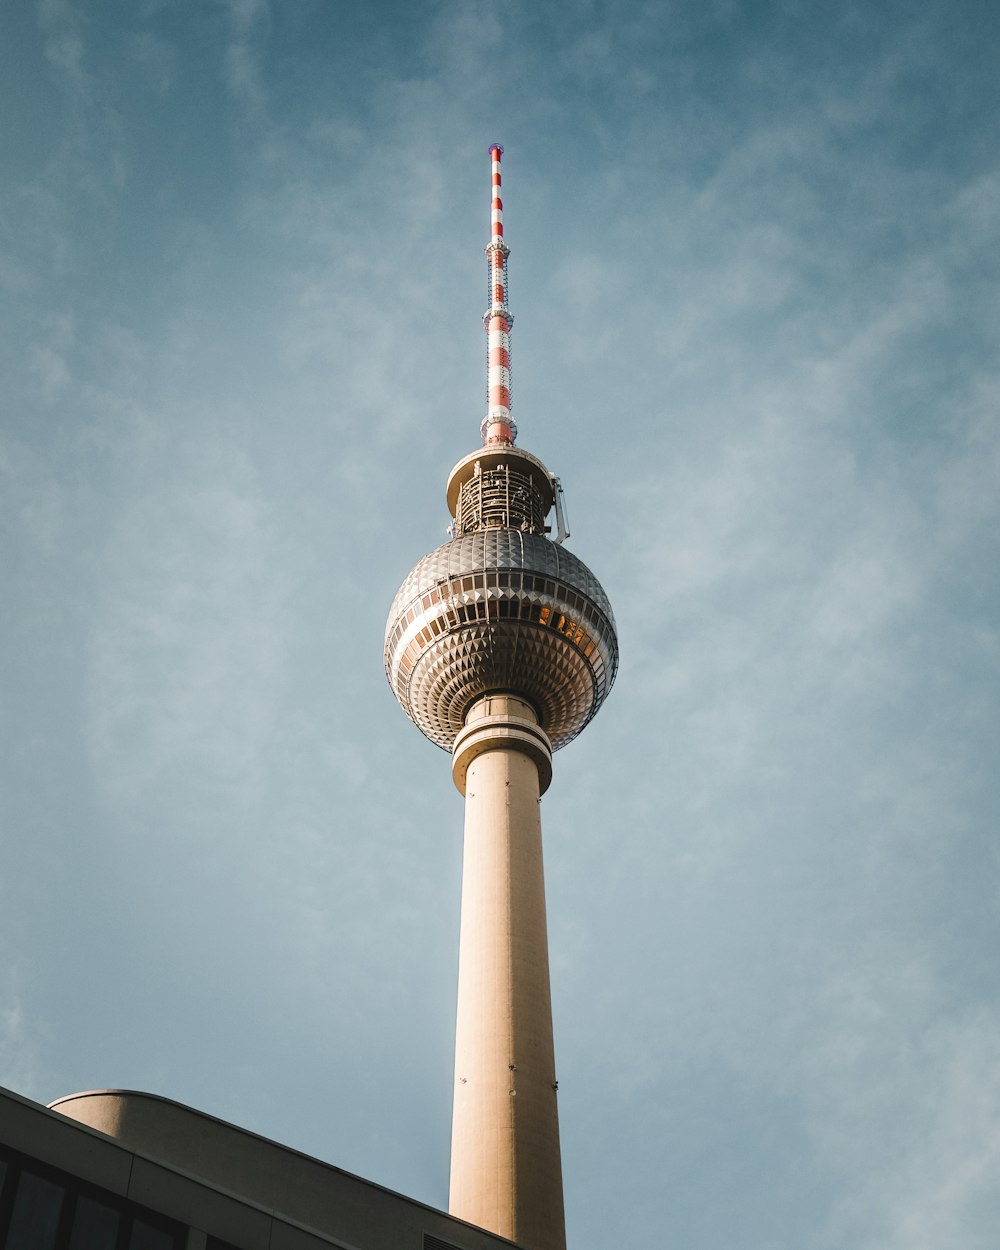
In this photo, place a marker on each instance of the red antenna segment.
(498, 427)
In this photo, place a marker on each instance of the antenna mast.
(498, 428)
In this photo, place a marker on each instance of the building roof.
(231, 1184)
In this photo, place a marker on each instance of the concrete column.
(505, 1168)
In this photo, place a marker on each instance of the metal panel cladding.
(500, 610)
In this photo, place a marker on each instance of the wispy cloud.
(20, 1061)
(923, 1127)
(754, 276)
(189, 651)
(248, 25)
(156, 57)
(63, 26)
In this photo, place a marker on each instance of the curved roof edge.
(251, 1167)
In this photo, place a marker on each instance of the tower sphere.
(501, 608)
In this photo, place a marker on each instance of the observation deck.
(501, 608)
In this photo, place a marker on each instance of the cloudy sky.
(754, 272)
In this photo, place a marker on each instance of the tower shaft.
(505, 1165)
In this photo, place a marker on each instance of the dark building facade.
(170, 1178)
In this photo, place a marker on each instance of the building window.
(34, 1219)
(149, 1237)
(45, 1209)
(95, 1225)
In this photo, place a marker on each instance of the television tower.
(500, 646)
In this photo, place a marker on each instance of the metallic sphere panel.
(500, 609)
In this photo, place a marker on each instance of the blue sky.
(754, 276)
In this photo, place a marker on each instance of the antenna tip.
(497, 147)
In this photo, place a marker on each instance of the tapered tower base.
(506, 1174)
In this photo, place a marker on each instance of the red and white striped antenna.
(498, 427)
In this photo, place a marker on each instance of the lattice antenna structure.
(498, 428)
